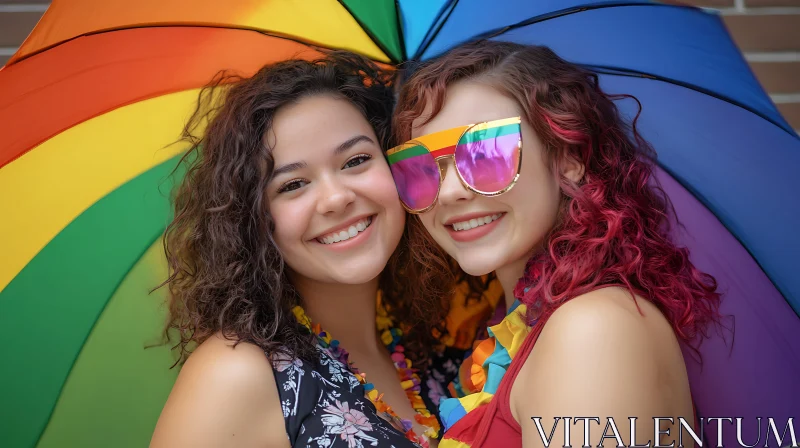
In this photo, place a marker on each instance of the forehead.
(467, 102)
(313, 126)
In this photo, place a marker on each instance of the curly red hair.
(613, 226)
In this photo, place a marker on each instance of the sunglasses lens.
(416, 175)
(488, 156)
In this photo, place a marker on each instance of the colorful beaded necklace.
(410, 381)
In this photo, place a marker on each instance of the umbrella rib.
(540, 18)
(77, 355)
(576, 10)
(400, 35)
(369, 34)
(617, 71)
(310, 44)
(426, 42)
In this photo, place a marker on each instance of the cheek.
(291, 219)
(428, 219)
(439, 234)
(379, 187)
(535, 201)
(537, 192)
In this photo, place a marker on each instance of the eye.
(292, 185)
(356, 160)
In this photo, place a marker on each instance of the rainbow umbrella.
(92, 103)
(91, 106)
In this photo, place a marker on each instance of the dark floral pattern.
(324, 406)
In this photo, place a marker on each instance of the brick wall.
(17, 19)
(768, 31)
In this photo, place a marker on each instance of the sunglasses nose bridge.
(442, 166)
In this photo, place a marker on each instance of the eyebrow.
(343, 147)
(350, 143)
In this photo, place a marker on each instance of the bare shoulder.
(609, 326)
(600, 354)
(610, 307)
(220, 364)
(225, 395)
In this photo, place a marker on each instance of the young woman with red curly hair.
(521, 165)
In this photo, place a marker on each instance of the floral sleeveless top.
(324, 406)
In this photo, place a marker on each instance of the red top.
(493, 425)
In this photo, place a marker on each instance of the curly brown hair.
(226, 272)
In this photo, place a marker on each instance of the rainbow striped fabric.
(481, 373)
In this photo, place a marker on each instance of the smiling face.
(486, 234)
(337, 215)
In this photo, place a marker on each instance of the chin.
(355, 279)
(481, 260)
(357, 273)
(477, 268)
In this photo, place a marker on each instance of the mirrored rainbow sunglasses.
(487, 157)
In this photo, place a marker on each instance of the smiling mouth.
(475, 222)
(346, 234)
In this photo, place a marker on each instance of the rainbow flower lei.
(409, 379)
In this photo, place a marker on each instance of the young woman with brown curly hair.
(518, 163)
(287, 227)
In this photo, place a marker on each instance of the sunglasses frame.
(443, 171)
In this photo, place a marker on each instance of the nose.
(335, 196)
(451, 190)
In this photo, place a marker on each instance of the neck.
(508, 276)
(346, 311)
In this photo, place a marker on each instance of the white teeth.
(476, 222)
(344, 235)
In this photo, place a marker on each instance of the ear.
(572, 168)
